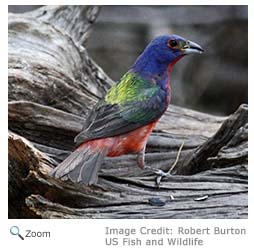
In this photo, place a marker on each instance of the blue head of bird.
(162, 53)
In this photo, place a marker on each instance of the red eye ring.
(172, 43)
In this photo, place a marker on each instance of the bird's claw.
(160, 174)
(158, 181)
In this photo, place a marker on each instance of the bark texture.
(53, 83)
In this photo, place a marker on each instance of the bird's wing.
(114, 115)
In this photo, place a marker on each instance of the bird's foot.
(161, 174)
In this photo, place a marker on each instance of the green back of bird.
(130, 88)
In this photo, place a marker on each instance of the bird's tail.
(81, 166)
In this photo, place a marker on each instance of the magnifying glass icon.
(14, 230)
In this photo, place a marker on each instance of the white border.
(82, 234)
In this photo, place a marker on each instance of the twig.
(162, 174)
(177, 158)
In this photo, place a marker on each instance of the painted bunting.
(121, 122)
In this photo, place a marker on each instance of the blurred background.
(215, 82)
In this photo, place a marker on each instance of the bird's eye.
(172, 43)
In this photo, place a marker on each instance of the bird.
(121, 122)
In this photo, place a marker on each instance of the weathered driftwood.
(52, 86)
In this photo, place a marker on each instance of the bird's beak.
(191, 48)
